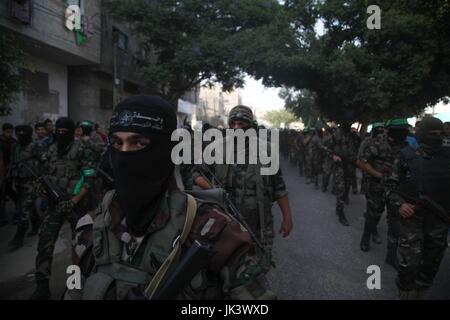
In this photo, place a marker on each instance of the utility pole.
(115, 82)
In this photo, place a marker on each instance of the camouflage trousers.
(308, 166)
(48, 235)
(353, 182)
(327, 168)
(301, 163)
(375, 205)
(422, 244)
(26, 201)
(316, 169)
(364, 183)
(375, 202)
(341, 184)
(264, 234)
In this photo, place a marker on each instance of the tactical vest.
(21, 153)
(386, 155)
(64, 171)
(253, 199)
(113, 278)
(427, 176)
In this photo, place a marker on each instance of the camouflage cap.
(398, 123)
(242, 113)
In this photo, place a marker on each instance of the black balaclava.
(142, 176)
(376, 131)
(428, 136)
(64, 140)
(24, 134)
(398, 134)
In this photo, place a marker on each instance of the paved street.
(321, 259)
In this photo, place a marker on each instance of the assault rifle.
(214, 181)
(330, 153)
(195, 259)
(427, 203)
(54, 194)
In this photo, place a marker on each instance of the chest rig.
(113, 277)
(64, 170)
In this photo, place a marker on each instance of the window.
(120, 39)
(21, 10)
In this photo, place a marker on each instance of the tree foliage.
(358, 74)
(277, 117)
(12, 58)
(303, 105)
(191, 42)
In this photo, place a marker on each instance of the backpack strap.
(174, 254)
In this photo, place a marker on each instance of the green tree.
(12, 58)
(192, 42)
(277, 117)
(303, 105)
(358, 74)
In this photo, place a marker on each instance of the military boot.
(42, 291)
(375, 236)
(342, 218)
(365, 240)
(17, 241)
(391, 258)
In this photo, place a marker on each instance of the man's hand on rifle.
(407, 210)
(336, 158)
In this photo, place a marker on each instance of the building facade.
(215, 104)
(80, 62)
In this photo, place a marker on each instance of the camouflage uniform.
(293, 154)
(381, 154)
(66, 171)
(253, 194)
(232, 273)
(341, 147)
(23, 182)
(365, 177)
(308, 158)
(327, 166)
(423, 237)
(300, 148)
(355, 143)
(316, 158)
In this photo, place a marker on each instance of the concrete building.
(80, 61)
(214, 105)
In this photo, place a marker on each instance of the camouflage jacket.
(72, 167)
(32, 152)
(380, 153)
(233, 271)
(315, 147)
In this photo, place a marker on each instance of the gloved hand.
(39, 190)
(65, 206)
